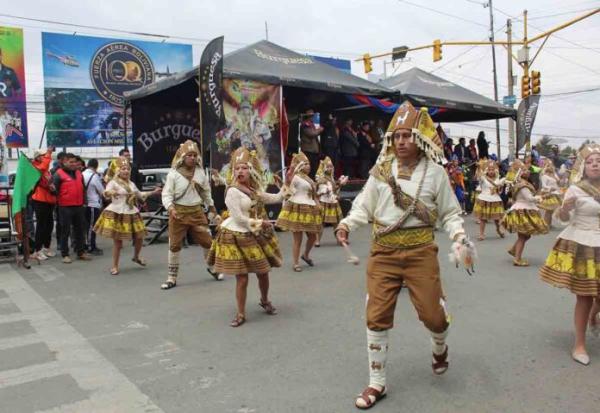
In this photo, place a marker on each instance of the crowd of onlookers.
(353, 148)
(68, 198)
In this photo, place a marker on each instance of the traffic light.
(536, 82)
(367, 62)
(437, 50)
(525, 87)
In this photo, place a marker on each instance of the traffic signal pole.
(495, 75)
(511, 91)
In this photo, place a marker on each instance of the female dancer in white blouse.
(549, 191)
(246, 243)
(574, 261)
(489, 206)
(121, 220)
(327, 190)
(301, 212)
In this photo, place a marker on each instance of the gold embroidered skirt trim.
(525, 221)
(404, 237)
(300, 218)
(550, 202)
(574, 266)
(235, 252)
(490, 211)
(120, 226)
(331, 212)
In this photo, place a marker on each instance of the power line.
(476, 125)
(443, 13)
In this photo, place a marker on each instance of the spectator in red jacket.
(68, 182)
(43, 200)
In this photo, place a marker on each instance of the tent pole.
(42, 137)
(125, 125)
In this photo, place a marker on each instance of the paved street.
(75, 339)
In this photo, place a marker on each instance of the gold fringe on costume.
(574, 266)
(550, 202)
(525, 221)
(300, 218)
(120, 226)
(235, 252)
(489, 211)
(331, 212)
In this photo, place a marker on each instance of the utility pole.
(266, 31)
(511, 123)
(495, 74)
(526, 64)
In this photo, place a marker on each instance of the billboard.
(341, 64)
(85, 78)
(253, 117)
(13, 108)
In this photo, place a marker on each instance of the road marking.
(19, 341)
(107, 386)
(47, 272)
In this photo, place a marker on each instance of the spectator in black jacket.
(366, 148)
(349, 148)
(330, 139)
(461, 151)
(482, 146)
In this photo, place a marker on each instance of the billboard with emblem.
(85, 78)
(13, 107)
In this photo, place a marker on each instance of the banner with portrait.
(13, 106)
(253, 117)
(85, 78)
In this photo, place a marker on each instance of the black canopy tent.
(455, 103)
(307, 83)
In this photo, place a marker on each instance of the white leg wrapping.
(438, 342)
(173, 262)
(377, 347)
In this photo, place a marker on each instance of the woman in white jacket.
(246, 243)
(574, 261)
(549, 191)
(327, 190)
(489, 206)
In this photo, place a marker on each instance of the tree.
(567, 151)
(543, 146)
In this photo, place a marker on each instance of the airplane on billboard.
(66, 60)
(164, 74)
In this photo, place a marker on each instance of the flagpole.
(200, 112)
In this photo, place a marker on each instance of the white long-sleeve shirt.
(178, 190)
(489, 191)
(119, 195)
(326, 192)
(549, 184)
(301, 191)
(376, 201)
(584, 223)
(525, 199)
(239, 204)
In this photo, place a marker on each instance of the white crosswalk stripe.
(108, 388)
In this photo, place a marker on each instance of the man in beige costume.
(406, 194)
(186, 192)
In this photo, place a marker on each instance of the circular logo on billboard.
(119, 67)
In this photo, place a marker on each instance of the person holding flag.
(26, 179)
(406, 194)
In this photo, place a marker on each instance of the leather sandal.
(297, 268)
(139, 261)
(440, 362)
(310, 262)
(238, 320)
(114, 271)
(369, 398)
(268, 307)
(520, 263)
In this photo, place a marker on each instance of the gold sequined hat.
(423, 129)
(243, 155)
(121, 161)
(579, 165)
(188, 146)
(325, 167)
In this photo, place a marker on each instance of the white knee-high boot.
(173, 262)
(377, 347)
(438, 342)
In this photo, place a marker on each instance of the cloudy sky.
(569, 62)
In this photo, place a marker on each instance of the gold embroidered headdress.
(423, 130)
(244, 156)
(325, 170)
(299, 160)
(188, 146)
(579, 165)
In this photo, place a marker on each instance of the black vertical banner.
(525, 117)
(212, 116)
